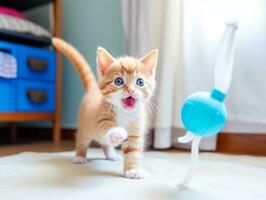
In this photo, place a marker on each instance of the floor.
(53, 176)
(36, 147)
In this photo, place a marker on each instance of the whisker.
(149, 108)
(154, 106)
(154, 98)
(110, 107)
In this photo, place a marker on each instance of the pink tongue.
(129, 102)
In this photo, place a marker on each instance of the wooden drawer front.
(37, 64)
(35, 96)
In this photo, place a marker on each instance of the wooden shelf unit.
(13, 117)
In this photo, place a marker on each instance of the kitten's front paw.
(135, 174)
(79, 160)
(115, 136)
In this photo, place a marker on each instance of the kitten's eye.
(119, 81)
(140, 82)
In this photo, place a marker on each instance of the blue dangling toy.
(204, 114)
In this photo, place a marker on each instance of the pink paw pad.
(115, 136)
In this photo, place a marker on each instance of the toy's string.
(193, 166)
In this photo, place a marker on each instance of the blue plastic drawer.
(7, 92)
(9, 47)
(35, 96)
(38, 64)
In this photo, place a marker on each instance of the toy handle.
(193, 165)
(225, 59)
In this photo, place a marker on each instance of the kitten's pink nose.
(130, 91)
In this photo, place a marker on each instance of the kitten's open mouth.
(129, 102)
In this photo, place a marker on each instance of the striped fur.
(102, 117)
(78, 61)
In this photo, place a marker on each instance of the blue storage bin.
(9, 47)
(35, 63)
(7, 95)
(34, 88)
(35, 96)
(7, 89)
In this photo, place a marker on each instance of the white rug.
(52, 176)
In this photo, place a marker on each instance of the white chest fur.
(124, 118)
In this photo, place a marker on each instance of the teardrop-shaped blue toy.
(203, 114)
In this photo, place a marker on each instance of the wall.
(87, 24)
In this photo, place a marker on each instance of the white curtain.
(202, 29)
(187, 34)
(157, 24)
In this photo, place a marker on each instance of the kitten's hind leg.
(110, 153)
(81, 150)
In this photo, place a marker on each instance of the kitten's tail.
(79, 61)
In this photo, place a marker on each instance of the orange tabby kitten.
(113, 109)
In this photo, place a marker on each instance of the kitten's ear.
(104, 60)
(150, 61)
